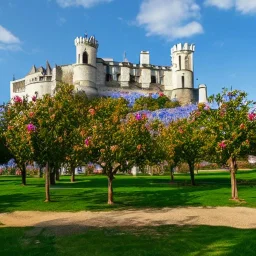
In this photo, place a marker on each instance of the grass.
(146, 241)
(90, 192)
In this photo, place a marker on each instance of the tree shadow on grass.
(64, 240)
(15, 201)
(90, 193)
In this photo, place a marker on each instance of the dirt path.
(238, 217)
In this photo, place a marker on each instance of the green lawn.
(90, 192)
(146, 241)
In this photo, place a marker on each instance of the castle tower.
(84, 77)
(183, 72)
(202, 98)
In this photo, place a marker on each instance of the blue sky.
(34, 31)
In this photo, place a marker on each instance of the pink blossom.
(34, 98)
(87, 141)
(222, 144)
(17, 99)
(138, 117)
(31, 127)
(161, 94)
(251, 116)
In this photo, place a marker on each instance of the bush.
(244, 164)
(8, 170)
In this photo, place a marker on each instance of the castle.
(97, 76)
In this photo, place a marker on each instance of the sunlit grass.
(90, 192)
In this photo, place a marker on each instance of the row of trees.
(72, 130)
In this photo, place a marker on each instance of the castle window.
(179, 62)
(109, 77)
(132, 78)
(78, 61)
(85, 58)
(41, 78)
(183, 81)
(153, 79)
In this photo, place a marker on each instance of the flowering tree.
(18, 132)
(184, 141)
(170, 152)
(231, 126)
(117, 141)
(58, 137)
(73, 120)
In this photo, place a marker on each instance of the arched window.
(183, 82)
(179, 62)
(85, 58)
(153, 79)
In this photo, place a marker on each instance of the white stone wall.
(100, 75)
(66, 74)
(85, 74)
(41, 87)
(125, 76)
(168, 84)
(145, 77)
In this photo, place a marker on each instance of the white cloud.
(83, 3)
(170, 19)
(8, 41)
(222, 4)
(246, 6)
(7, 37)
(243, 6)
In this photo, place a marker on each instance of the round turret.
(85, 68)
(183, 71)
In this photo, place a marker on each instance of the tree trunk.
(47, 183)
(23, 175)
(192, 174)
(40, 173)
(58, 174)
(172, 173)
(72, 173)
(233, 168)
(110, 189)
(197, 168)
(52, 176)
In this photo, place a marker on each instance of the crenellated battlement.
(183, 47)
(87, 40)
